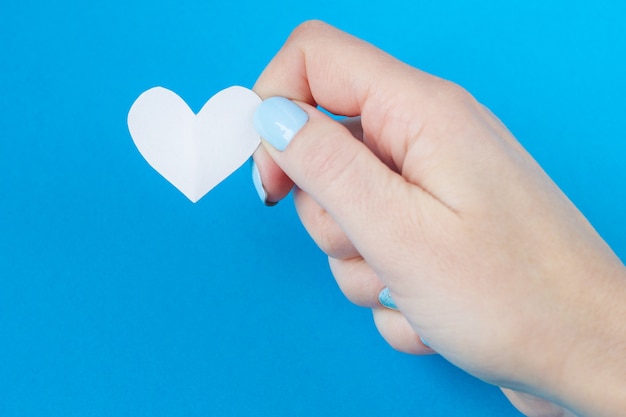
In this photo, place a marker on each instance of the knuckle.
(330, 238)
(453, 94)
(324, 231)
(357, 281)
(394, 329)
(363, 293)
(307, 29)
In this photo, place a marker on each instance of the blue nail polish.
(258, 185)
(384, 298)
(277, 120)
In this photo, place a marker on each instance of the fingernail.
(425, 343)
(277, 120)
(258, 185)
(384, 298)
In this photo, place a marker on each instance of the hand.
(430, 195)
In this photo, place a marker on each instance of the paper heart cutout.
(195, 152)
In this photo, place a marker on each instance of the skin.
(427, 192)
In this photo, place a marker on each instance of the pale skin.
(429, 194)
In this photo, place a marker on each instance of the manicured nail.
(277, 120)
(384, 298)
(258, 185)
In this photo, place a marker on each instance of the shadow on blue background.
(120, 297)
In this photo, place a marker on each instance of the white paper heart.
(195, 152)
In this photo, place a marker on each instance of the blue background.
(120, 297)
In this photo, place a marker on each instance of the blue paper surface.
(120, 297)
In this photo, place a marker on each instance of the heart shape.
(195, 152)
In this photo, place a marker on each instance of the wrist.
(590, 372)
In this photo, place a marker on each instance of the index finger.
(322, 65)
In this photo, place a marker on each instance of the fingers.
(349, 188)
(320, 225)
(322, 65)
(274, 184)
(360, 285)
(327, 162)
(323, 229)
(532, 406)
(357, 281)
(350, 180)
(398, 333)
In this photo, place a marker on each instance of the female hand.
(429, 194)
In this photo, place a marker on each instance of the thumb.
(341, 173)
